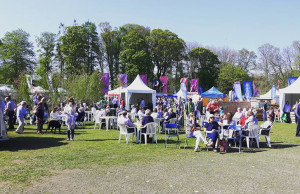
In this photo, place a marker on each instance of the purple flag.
(194, 85)
(105, 81)
(184, 80)
(256, 92)
(164, 81)
(144, 78)
(123, 80)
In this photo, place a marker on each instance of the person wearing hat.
(21, 114)
(212, 130)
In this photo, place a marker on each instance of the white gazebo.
(137, 90)
(290, 93)
(268, 96)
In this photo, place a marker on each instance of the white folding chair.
(252, 132)
(127, 131)
(266, 133)
(150, 129)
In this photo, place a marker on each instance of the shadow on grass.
(102, 139)
(30, 143)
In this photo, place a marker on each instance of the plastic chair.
(157, 121)
(127, 131)
(150, 130)
(172, 121)
(235, 135)
(252, 132)
(266, 133)
(172, 132)
(187, 136)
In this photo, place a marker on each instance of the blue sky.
(235, 24)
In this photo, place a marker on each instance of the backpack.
(223, 146)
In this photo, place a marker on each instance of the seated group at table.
(215, 122)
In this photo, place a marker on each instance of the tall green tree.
(246, 60)
(135, 55)
(206, 66)
(17, 55)
(230, 74)
(74, 47)
(112, 47)
(166, 48)
(94, 55)
(46, 43)
(23, 92)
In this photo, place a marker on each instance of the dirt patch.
(254, 172)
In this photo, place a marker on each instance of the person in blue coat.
(21, 114)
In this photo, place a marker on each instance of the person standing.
(39, 113)
(21, 114)
(297, 112)
(142, 103)
(200, 107)
(189, 107)
(287, 110)
(3, 132)
(70, 110)
(10, 106)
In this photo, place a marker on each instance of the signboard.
(232, 106)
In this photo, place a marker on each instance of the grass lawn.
(27, 158)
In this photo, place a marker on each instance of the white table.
(89, 115)
(138, 126)
(107, 120)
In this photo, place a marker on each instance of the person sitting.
(213, 106)
(265, 127)
(251, 120)
(228, 120)
(80, 115)
(238, 114)
(159, 112)
(124, 119)
(141, 113)
(147, 118)
(120, 109)
(171, 115)
(54, 120)
(212, 130)
(193, 129)
(154, 113)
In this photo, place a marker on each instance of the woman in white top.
(154, 113)
(54, 114)
(70, 110)
(194, 128)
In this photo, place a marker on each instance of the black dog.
(54, 125)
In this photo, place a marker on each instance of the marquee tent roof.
(116, 91)
(213, 93)
(138, 89)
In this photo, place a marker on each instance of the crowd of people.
(166, 109)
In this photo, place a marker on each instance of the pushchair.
(180, 122)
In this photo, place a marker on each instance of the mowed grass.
(29, 157)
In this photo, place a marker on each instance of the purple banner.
(255, 90)
(105, 82)
(184, 80)
(194, 85)
(144, 78)
(164, 81)
(123, 80)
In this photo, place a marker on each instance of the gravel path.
(271, 171)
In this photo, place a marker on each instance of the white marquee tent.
(137, 90)
(268, 96)
(290, 93)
